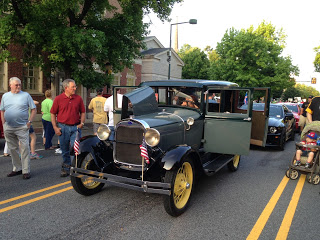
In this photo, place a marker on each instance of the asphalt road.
(257, 201)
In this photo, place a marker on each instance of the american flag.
(144, 151)
(76, 145)
(246, 98)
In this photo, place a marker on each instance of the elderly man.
(67, 116)
(16, 123)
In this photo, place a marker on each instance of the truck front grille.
(129, 136)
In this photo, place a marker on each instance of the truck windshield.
(178, 96)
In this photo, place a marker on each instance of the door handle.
(247, 119)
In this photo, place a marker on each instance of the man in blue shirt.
(16, 123)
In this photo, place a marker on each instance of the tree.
(196, 63)
(299, 90)
(306, 91)
(317, 59)
(75, 35)
(252, 58)
(212, 54)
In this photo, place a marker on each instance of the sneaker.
(35, 156)
(298, 163)
(307, 165)
(58, 151)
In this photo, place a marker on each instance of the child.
(311, 139)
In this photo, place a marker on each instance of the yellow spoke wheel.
(234, 164)
(181, 181)
(86, 186)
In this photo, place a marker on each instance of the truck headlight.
(152, 137)
(273, 129)
(103, 132)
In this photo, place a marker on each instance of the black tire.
(84, 186)
(181, 181)
(234, 164)
(282, 140)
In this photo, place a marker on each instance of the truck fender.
(97, 148)
(174, 156)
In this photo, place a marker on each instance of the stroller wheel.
(294, 174)
(309, 178)
(287, 173)
(316, 179)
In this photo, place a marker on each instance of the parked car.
(296, 110)
(167, 134)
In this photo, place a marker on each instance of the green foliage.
(212, 54)
(252, 58)
(306, 91)
(317, 59)
(299, 90)
(74, 34)
(196, 63)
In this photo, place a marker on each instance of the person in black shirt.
(313, 110)
(303, 115)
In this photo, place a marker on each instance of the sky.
(299, 20)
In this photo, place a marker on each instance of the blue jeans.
(67, 138)
(112, 135)
(48, 133)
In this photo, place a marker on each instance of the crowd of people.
(64, 116)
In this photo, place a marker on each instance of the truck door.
(260, 118)
(228, 115)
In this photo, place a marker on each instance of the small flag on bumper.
(144, 151)
(76, 145)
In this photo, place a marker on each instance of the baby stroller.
(312, 172)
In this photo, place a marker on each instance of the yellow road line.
(32, 193)
(259, 226)
(287, 220)
(34, 200)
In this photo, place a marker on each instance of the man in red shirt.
(67, 115)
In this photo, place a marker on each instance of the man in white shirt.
(108, 108)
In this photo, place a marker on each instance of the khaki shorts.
(303, 121)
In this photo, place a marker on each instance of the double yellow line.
(287, 220)
(34, 199)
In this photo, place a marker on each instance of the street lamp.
(191, 21)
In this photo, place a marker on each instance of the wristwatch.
(82, 124)
(29, 121)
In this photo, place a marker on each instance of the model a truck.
(168, 133)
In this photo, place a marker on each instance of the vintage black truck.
(168, 133)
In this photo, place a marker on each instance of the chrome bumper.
(130, 183)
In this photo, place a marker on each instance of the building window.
(116, 79)
(131, 78)
(30, 76)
